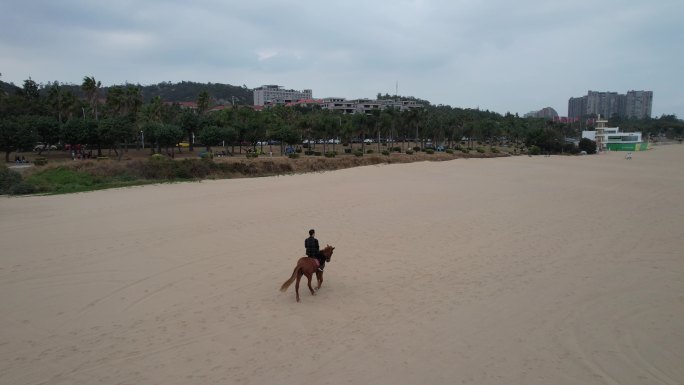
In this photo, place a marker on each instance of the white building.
(610, 138)
(367, 106)
(273, 94)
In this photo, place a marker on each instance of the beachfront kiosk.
(610, 138)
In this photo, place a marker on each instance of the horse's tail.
(287, 283)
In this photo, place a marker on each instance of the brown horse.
(307, 266)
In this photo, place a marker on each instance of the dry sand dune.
(524, 270)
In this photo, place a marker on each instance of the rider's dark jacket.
(311, 245)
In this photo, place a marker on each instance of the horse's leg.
(299, 277)
(308, 276)
(319, 277)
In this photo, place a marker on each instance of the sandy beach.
(521, 270)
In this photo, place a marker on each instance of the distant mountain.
(9, 88)
(173, 92)
(189, 91)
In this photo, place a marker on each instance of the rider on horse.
(313, 250)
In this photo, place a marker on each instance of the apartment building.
(638, 104)
(367, 106)
(633, 104)
(273, 94)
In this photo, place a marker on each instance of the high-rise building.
(603, 103)
(635, 104)
(577, 107)
(273, 94)
(638, 104)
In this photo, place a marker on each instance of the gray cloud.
(495, 54)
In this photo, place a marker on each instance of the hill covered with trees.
(219, 94)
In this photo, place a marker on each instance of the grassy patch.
(62, 180)
(83, 176)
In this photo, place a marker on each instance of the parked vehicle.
(43, 147)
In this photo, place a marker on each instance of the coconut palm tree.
(91, 87)
(203, 102)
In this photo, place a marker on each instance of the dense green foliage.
(8, 179)
(167, 91)
(94, 117)
(587, 145)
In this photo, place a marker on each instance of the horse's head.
(327, 252)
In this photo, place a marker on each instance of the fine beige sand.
(523, 270)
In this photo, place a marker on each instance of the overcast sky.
(501, 55)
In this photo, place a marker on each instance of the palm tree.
(55, 100)
(389, 119)
(91, 89)
(360, 123)
(412, 120)
(202, 102)
(132, 100)
(114, 100)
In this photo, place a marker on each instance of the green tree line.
(118, 117)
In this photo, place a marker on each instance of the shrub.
(449, 151)
(22, 188)
(429, 151)
(298, 150)
(308, 152)
(347, 150)
(330, 154)
(570, 148)
(252, 155)
(369, 151)
(317, 153)
(8, 179)
(293, 156)
(358, 153)
(189, 169)
(480, 150)
(102, 158)
(588, 145)
(409, 152)
(40, 161)
(494, 150)
(465, 150)
(416, 149)
(534, 150)
(385, 152)
(396, 149)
